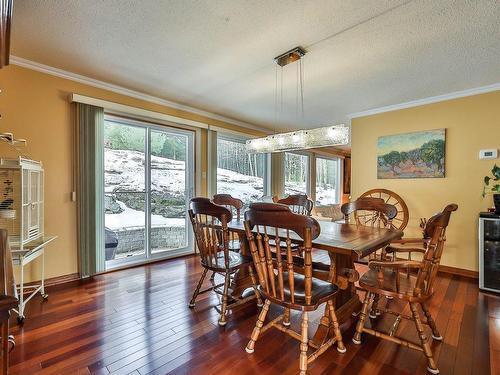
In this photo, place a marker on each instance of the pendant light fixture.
(335, 135)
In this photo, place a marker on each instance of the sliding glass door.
(148, 181)
(170, 190)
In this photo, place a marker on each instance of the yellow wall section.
(471, 124)
(35, 106)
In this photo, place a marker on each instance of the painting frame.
(412, 155)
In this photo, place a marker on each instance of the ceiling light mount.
(290, 56)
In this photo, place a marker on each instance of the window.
(327, 181)
(296, 173)
(239, 173)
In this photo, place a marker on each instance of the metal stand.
(23, 257)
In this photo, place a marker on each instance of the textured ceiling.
(218, 55)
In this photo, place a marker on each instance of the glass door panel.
(296, 173)
(327, 182)
(124, 192)
(170, 190)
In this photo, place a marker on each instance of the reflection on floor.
(136, 321)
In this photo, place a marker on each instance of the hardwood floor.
(136, 321)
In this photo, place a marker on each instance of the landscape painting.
(411, 155)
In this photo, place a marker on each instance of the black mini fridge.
(489, 252)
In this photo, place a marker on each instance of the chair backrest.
(435, 230)
(298, 203)
(210, 229)
(373, 212)
(230, 203)
(266, 221)
(403, 216)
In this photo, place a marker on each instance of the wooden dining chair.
(284, 283)
(372, 212)
(400, 221)
(298, 203)
(234, 205)
(212, 238)
(391, 279)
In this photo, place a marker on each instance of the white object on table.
(21, 258)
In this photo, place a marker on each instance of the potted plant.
(492, 186)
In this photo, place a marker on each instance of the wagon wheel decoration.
(370, 218)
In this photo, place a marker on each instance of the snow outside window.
(239, 173)
(327, 181)
(296, 173)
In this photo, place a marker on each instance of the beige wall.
(35, 106)
(471, 124)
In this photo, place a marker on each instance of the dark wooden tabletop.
(349, 239)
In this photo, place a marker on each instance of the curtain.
(90, 185)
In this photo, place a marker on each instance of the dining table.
(344, 244)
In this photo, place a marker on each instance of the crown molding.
(29, 64)
(33, 65)
(429, 100)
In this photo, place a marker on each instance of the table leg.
(242, 279)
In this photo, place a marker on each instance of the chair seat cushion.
(236, 260)
(321, 291)
(389, 286)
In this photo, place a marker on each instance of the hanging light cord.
(276, 95)
(301, 68)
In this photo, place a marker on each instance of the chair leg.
(362, 317)
(304, 343)
(374, 310)
(212, 278)
(286, 318)
(336, 328)
(227, 279)
(198, 287)
(254, 285)
(258, 326)
(431, 367)
(435, 333)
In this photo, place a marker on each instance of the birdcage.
(21, 200)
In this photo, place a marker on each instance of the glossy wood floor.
(137, 321)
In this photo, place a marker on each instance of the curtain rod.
(123, 109)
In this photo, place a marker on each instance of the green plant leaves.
(487, 179)
(496, 172)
